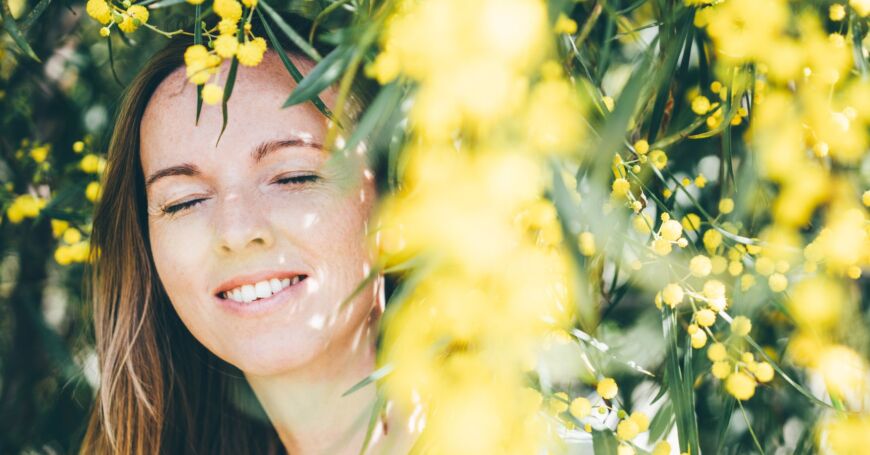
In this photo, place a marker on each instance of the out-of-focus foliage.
(624, 226)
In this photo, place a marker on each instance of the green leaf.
(373, 273)
(288, 30)
(33, 15)
(603, 442)
(676, 389)
(666, 76)
(322, 76)
(12, 29)
(291, 68)
(785, 376)
(724, 420)
(165, 3)
(661, 423)
(376, 375)
(197, 39)
(377, 116)
(112, 61)
(228, 90)
(377, 408)
(322, 15)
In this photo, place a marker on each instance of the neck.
(305, 404)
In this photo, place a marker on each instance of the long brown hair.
(161, 390)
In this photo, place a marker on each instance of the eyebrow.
(257, 154)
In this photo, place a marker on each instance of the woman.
(222, 269)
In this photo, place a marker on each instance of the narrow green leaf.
(604, 443)
(322, 76)
(800, 389)
(228, 90)
(381, 109)
(377, 408)
(689, 396)
(373, 273)
(724, 420)
(12, 29)
(672, 53)
(112, 61)
(675, 378)
(33, 15)
(376, 375)
(165, 3)
(197, 39)
(292, 34)
(288, 64)
(322, 15)
(661, 422)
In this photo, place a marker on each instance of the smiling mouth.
(260, 290)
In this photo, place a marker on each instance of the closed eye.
(297, 179)
(172, 209)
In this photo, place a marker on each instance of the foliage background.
(631, 47)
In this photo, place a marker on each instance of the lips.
(252, 287)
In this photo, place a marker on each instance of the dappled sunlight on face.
(259, 239)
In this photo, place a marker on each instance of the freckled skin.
(249, 223)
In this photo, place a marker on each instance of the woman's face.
(258, 240)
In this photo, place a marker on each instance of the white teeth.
(263, 289)
(250, 292)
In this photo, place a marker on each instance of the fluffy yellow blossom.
(58, 227)
(93, 191)
(228, 9)
(564, 24)
(862, 7)
(777, 282)
(662, 448)
(700, 266)
(641, 223)
(691, 222)
(699, 339)
(721, 369)
(384, 68)
(672, 295)
(741, 326)
(700, 105)
(24, 206)
(641, 419)
(134, 18)
(620, 187)
(763, 372)
(212, 94)
(717, 352)
(580, 408)
(641, 147)
(92, 164)
(78, 146)
(99, 10)
(251, 53)
(712, 240)
(705, 317)
(658, 158)
(661, 246)
(740, 385)
(627, 430)
(607, 388)
(671, 230)
(726, 205)
(39, 154)
(226, 45)
(72, 235)
(587, 243)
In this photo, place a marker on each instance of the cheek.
(178, 250)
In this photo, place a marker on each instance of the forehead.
(169, 133)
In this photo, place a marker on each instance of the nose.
(241, 223)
